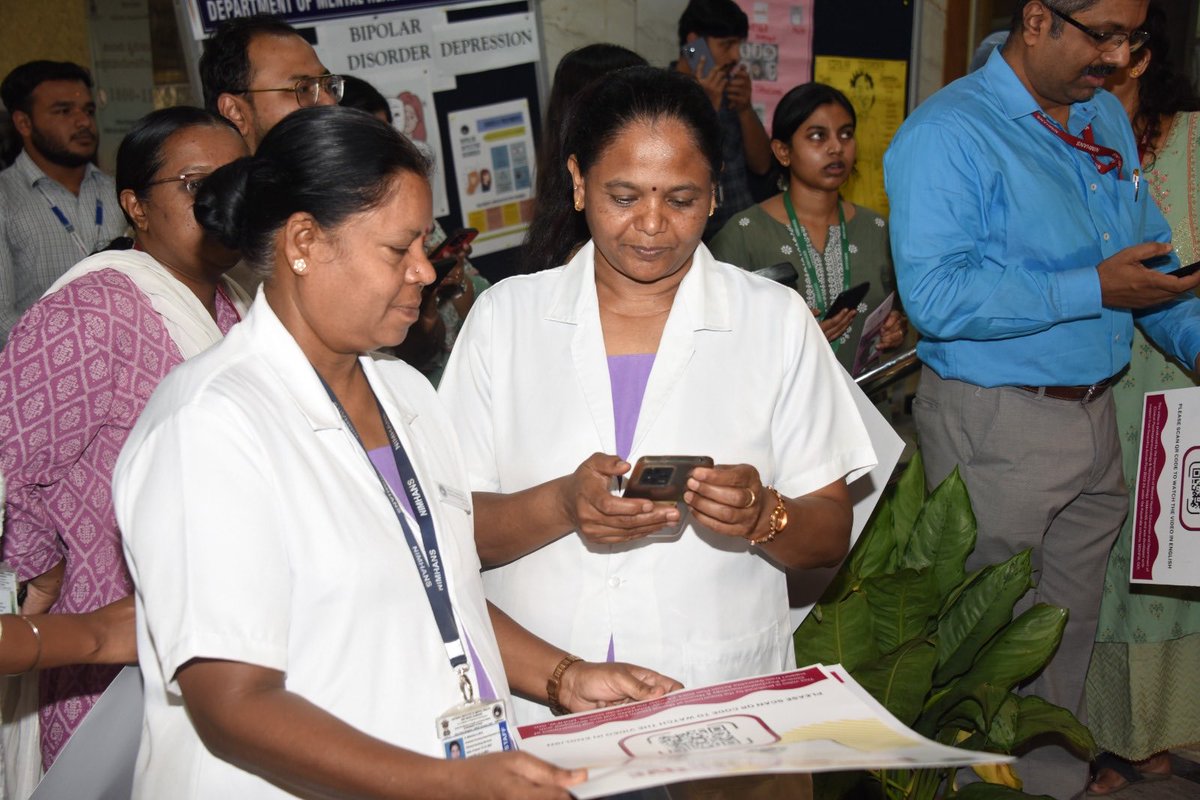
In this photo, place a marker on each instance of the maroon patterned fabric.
(77, 371)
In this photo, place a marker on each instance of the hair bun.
(221, 203)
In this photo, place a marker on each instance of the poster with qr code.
(815, 719)
(1165, 547)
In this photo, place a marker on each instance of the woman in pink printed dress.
(78, 369)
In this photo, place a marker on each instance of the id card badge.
(475, 729)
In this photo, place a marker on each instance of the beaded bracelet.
(555, 683)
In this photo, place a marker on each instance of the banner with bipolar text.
(406, 49)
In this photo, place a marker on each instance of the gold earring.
(579, 205)
(299, 266)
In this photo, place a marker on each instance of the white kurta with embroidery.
(743, 374)
(256, 531)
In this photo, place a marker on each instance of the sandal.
(1114, 774)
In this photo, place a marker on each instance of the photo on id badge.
(475, 730)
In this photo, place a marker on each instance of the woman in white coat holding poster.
(297, 522)
(644, 345)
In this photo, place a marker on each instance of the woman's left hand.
(728, 499)
(587, 685)
(891, 335)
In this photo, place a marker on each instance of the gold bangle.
(37, 637)
(777, 522)
(555, 683)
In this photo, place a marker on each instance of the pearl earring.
(299, 266)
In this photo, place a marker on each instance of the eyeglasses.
(191, 181)
(308, 90)
(1105, 42)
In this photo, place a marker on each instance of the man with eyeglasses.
(56, 207)
(256, 70)
(1020, 228)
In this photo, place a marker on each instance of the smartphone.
(694, 51)
(663, 479)
(1183, 272)
(453, 243)
(848, 299)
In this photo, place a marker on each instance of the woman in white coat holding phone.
(644, 344)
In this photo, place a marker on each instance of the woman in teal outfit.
(833, 244)
(1142, 694)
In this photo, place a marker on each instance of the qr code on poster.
(717, 734)
(1193, 496)
(711, 737)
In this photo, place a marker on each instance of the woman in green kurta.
(832, 243)
(1143, 698)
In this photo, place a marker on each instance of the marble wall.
(53, 29)
(645, 26)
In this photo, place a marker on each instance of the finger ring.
(753, 498)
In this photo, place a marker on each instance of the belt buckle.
(1092, 392)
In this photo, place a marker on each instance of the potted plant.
(938, 647)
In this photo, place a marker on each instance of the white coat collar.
(284, 356)
(703, 292)
(701, 304)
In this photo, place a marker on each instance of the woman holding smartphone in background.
(833, 244)
(653, 348)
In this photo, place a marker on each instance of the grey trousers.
(1045, 474)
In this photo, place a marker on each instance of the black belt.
(1082, 394)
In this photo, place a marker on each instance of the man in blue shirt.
(1019, 228)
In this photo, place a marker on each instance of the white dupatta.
(188, 322)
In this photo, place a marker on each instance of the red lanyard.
(1087, 144)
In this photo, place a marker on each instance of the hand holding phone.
(698, 56)
(663, 479)
(847, 300)
(454, 243)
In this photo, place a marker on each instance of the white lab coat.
(743, 374)
(256, 531)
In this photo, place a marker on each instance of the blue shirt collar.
(1016, 101)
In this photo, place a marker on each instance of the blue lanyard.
(425, 554)
(66, 223)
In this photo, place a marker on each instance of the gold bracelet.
(777, 522)
(37, 637)
(555, 683)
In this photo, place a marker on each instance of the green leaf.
(978, 615)
(994, 791)
(901, 606)
(908, 497)
(1021, 649)
(1038, 717)
(843, 636)
(900, 680)
(1016, 653)
(1002, 732)
(957, 591)
(875, 550)
(943, 535)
